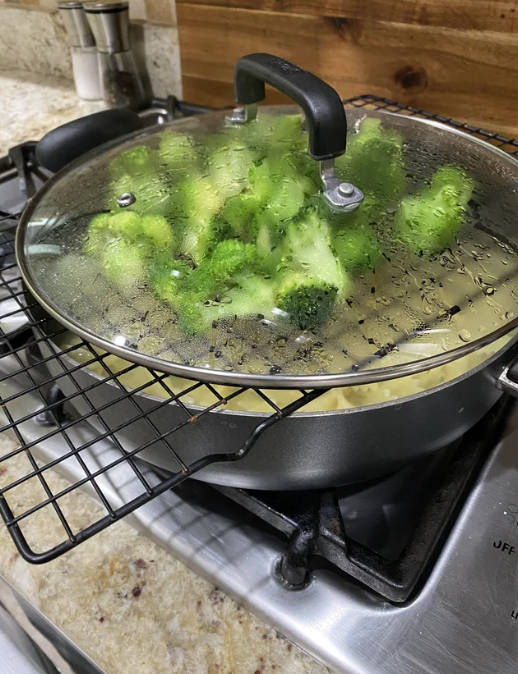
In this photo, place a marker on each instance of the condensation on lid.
(427, 264)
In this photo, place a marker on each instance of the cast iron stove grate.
(319, 531)
(21, 385)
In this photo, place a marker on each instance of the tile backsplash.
(33, 39)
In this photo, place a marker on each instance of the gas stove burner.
(383, 534)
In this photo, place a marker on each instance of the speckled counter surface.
(32, 104)
(133, 608)
(127, 603)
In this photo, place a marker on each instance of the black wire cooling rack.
(35, 409)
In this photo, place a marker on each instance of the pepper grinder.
(121, 83)
(85, 65)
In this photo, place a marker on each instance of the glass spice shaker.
(121, 83)
(85, 65)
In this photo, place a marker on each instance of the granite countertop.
(32, 104)
(128, 604)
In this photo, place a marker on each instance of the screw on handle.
(322, 106)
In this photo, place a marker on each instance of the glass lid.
(206, 248)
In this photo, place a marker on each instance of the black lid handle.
(325, 116)
(322, 106)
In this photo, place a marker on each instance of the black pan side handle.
(68, 142)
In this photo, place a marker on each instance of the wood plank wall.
(454, 57)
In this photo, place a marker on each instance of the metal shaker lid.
(109, 22)
(76, 24)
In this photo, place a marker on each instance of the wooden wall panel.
(494, 15)
(467, 74)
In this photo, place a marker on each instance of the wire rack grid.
(35, 410)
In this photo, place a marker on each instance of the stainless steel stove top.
(463, 621)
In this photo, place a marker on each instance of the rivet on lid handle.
(322, 106)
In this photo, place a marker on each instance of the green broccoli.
(309, 302)
(124, 223)
(215, 274)
(252, 296)
(149, 231)
(310, 277)
(374, 161)
(187, 289)
(239, 214)
(228, 165)
(136, 161)
(167, 277)
(428, 222)
(201, 201)
(354, 236)
(357, 248)
(98, 235)
(177, 152)
(286, 132)
(268, 130)
(287, 200)
(157, 231)
(307, 248)
(123, 265)
(138, 171)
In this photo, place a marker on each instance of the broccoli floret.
(216, 272)
(123, 265)
(124, 223)
(98, 235)
(167, 277)
(310, 276)
(201, 202)
(99, 221)
(149, 231)
(454, 179)
(374, 161)
(287, 199)
(239, 214)
(263, 181)
(138, 171)
(152, 195)
(188, 289)
(177, 151)
(428, 222)
(135, 161)
(191, 319)
(267, 131)
(157, 231)
(274, 195)
(307, 248)
(252, 296)
(309, 302)
(264, 242)
(286, 132)
(228, 165)
(357, 248)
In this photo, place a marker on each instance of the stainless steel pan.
(306, 450)
(312, 450)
